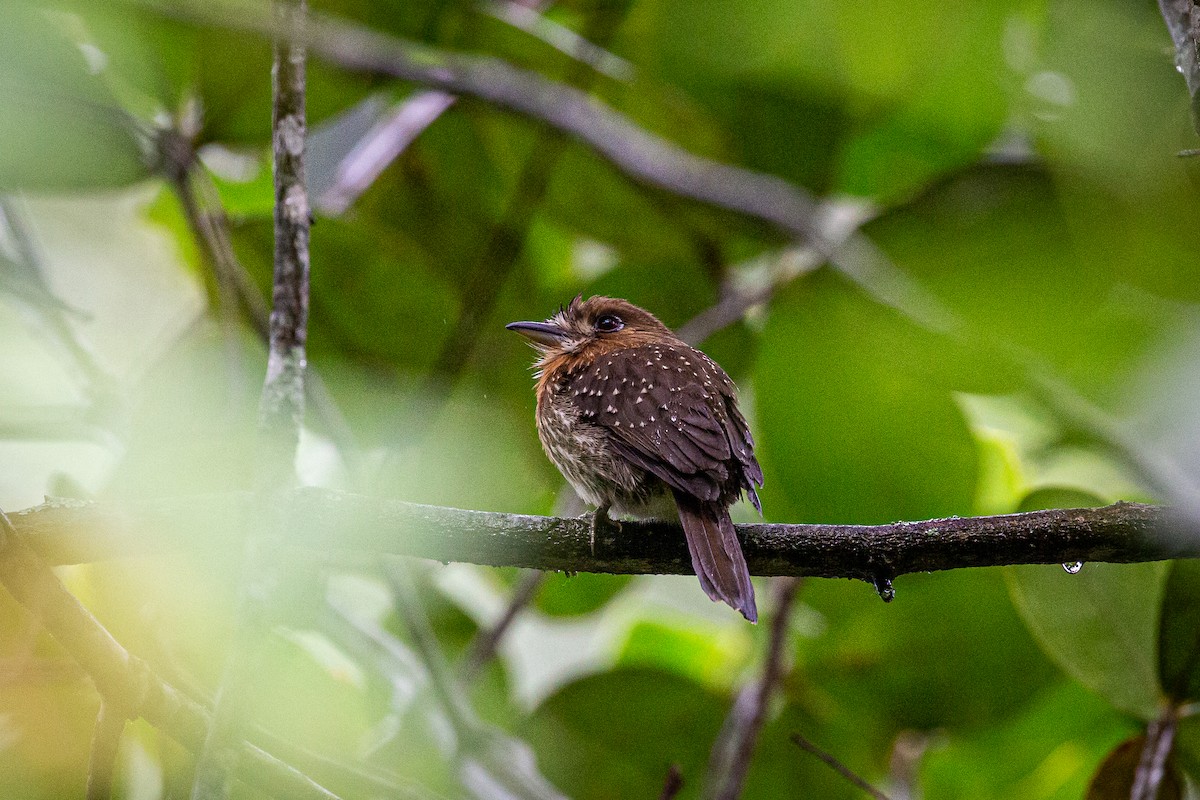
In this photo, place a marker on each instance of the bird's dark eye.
(609, 323)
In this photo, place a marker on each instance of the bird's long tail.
(717, 554)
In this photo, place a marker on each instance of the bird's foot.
(600, 520)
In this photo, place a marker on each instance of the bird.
(641, 423)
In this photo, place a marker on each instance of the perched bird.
(640, 422)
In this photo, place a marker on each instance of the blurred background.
(1011, 325)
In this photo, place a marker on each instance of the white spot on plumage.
(611, 410)
(640, 398)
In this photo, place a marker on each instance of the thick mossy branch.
(342, 527)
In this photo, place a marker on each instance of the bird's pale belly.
(583, 454)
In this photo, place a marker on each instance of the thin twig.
(672, 784)
(1152, 764)
(484, 646)
(734, 746)
(837, 766)
(838, 222)
(106, 740)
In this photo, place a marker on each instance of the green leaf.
(994, 246)
(697, 653)
(571, 595)
(1179, 633)
(1187, 746)
(1100, 625)
(617, 733)
(60, 126)
(919, 661)
(1059, 497)
(856, 412)
(1050, 749)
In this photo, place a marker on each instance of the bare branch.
(837, 766)
(672, 784)
(1152, 764)
(343, 527)
(734, 746)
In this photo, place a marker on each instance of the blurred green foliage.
(1018, 160)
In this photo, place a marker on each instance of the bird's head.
(590, 327)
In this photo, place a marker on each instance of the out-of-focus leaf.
(60, 126)
(1050, 750)
(695, 653)
(857, 418)
(1115, 777)
(950, 109)
(918, 662)
(1100, 625)
(1179, 633)
(907, 108)
(1187, 746)
(617, 733)
(571, 595)
(995, 247)
(592, 198)
(359, 308)
(1089, 71)
(1059, 497)
(208, 449)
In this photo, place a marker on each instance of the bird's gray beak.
(544, 333)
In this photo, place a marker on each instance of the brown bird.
(640, 422)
